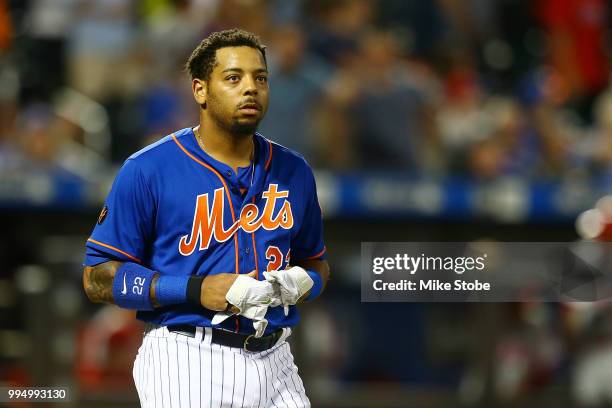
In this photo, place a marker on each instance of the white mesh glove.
(293, 284)
(252, 298)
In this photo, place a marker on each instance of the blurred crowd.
(482, 88)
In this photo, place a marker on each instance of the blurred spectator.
(470, 22)
(167, 104)
(44, 143)
(336, 27)
(171, 29)
(250, 15)
(5, 26)
(594, 150)
(9, 90)
(505, 149)
(102, 49)
(554, 125)
(514, 147)
(419, 25)
(283, 12)
(48, 24)
(297, 82)
(39, 139)
(461, 120)
(576, 34)
(382, 110)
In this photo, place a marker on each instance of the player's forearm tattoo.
(98, 281)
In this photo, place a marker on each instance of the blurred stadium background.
(445, 120)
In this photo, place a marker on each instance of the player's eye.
(262, 78)
(232, 78)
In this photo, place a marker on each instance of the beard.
(235, 126)
(247, 129)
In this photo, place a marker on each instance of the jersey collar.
(263, 159)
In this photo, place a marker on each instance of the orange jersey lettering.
(208, 219)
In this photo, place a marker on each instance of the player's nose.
(250, 85)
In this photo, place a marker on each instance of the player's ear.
(199, 88)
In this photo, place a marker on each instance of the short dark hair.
(203, 59)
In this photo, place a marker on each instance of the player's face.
(237, 92)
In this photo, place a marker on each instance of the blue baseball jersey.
(175, 209)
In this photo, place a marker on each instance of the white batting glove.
(247, 291)
(252, 298)
(257, 314)
(293, 284)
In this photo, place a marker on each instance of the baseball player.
(213, 234)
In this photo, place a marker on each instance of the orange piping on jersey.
(269, 157)
(315, 256)
(229, 199)
(114, 249)
(255, 249)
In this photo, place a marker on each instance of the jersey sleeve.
(125, 224)
(308, 241)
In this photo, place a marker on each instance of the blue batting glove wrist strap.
(171, 290)
(317, 287)
(132, 286)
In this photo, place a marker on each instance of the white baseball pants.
(173, 370)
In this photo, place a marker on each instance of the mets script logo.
(208, 219)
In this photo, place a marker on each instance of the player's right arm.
(99, 280)
(98, 283)
(114, 271)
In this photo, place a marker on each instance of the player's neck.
(233, 150)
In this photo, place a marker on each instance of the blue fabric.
(161, 214)
(317, 287)
(244, 177)
(170, 290)
(132, 285)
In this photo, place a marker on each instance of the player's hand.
(251, 298)
(293, 284)
(215, 288)
(246, 291)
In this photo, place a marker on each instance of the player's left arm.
(321, 267)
